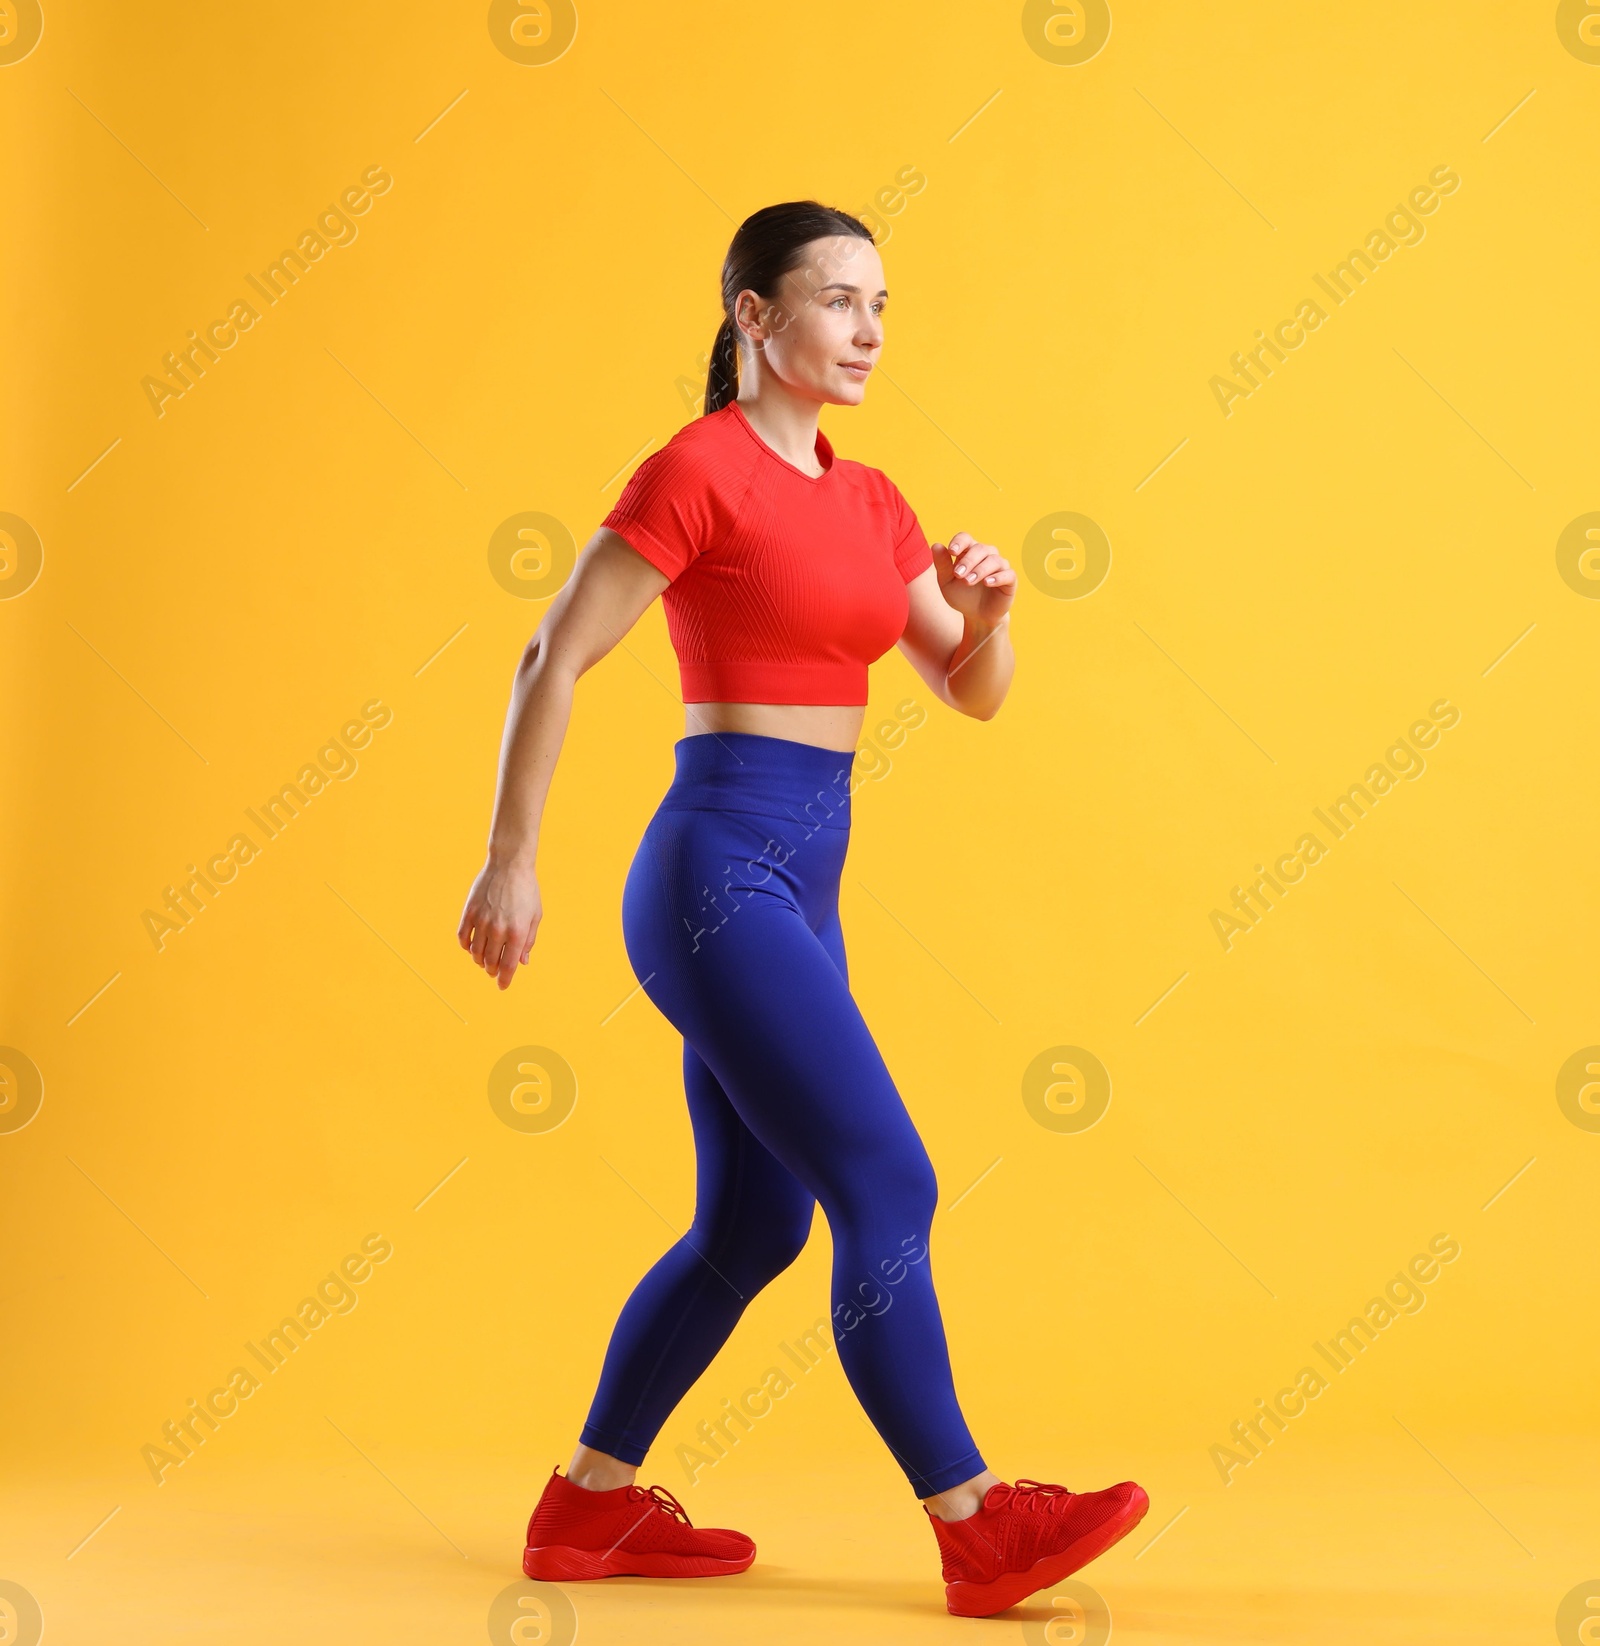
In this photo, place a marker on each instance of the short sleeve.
(912, 556)
(667, 509)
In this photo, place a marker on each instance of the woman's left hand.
(974, 580)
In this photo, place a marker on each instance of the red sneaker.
(1026, 1537)
(626, 1532)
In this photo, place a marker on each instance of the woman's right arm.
(609, 589)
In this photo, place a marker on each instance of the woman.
(784, 572)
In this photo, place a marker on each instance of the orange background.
(1290, 587)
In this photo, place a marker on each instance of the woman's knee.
(785, 1238)
(899, 1192)
(758, 1249)
(916, 1186)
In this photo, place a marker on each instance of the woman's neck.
(787, 424)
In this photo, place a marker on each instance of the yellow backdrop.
(1244, 961)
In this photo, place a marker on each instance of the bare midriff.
(827, 725)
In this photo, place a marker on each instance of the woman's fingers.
(515, 954)
(983, 563)
(976, 565)
(965, 549)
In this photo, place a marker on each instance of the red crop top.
(785, 585)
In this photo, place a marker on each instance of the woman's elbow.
(545, 665)
(533, 654)
(982, 705)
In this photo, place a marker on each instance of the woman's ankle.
(599, 1471)
(962, 1501)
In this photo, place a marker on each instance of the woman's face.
(826, 320)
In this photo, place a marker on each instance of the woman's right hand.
(501, 919)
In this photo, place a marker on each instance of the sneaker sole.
(985, 1599)
(556, 1564)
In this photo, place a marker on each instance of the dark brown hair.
(767, 246)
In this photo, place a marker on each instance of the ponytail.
(722, 380)
(769, 244)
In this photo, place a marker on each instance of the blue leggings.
(731, 919)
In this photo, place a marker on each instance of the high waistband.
(767, 776)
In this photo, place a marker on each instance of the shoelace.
(1038, 1494)
(662, 1499)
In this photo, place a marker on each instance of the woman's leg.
(752, 1218)
(962, 1499)
(743, 974)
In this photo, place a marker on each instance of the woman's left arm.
(956, 634)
